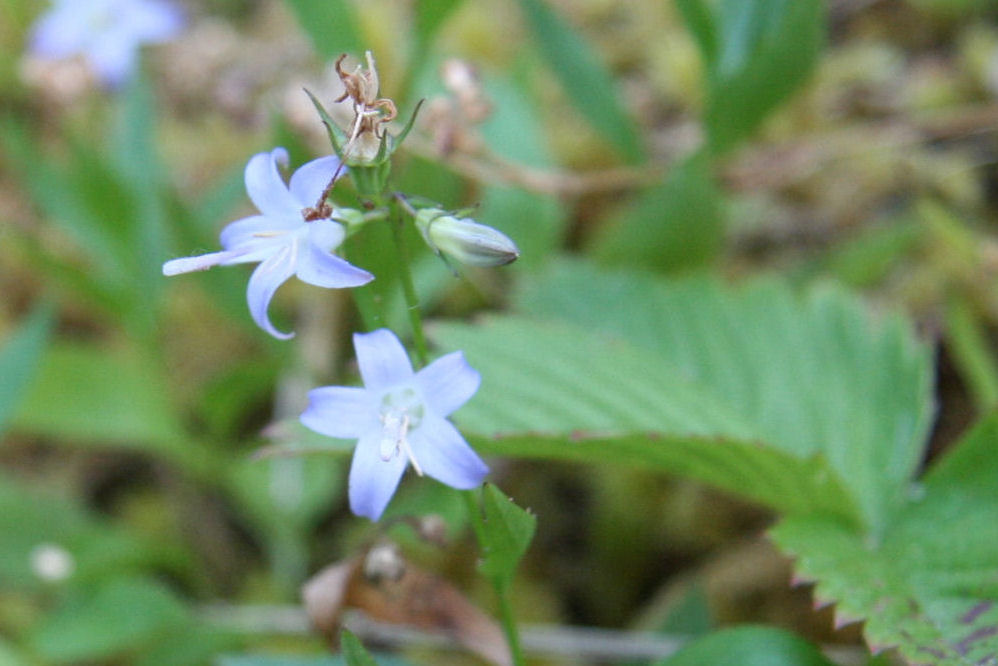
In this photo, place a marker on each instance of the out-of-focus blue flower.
(281, 238)
(107, 33)
(399, 417)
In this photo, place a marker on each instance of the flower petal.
(383, 360)
(448, 383)
(256, 229)
(60, 32)
(326, 234)
(443, 453)
(372, 480)
(264, 185)
(202, 262)
(265, 280)
(326, 270)
(344, 412)
(308, 182)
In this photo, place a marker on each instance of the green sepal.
(371, 179)
(409, 125)
(331, 128)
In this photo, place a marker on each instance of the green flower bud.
(465, 240)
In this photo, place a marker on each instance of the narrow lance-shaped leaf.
(585, 79)
(757, 52)
(19, 358)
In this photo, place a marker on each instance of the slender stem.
(509, 628)
(397, 222)
(506, 618)
(408, 286)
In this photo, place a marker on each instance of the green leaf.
(122, 615)
(971, 352)
(94, 396)
(749, 646)
(354, 652)
(19, 358)
(928, 585)
(331, 25)
(745, 388)
(138, 164)
(507, 535)
(586, 80)
(430, 15)
(677, 225)
(699, 18)
(113, 218)
(558, 392)
(757, 53)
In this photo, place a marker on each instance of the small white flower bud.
(465, 240)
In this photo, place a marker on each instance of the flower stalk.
(506, 617)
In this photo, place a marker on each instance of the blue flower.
(398, 418)
(107, 33)
(281, 238)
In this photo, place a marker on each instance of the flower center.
(401, 413)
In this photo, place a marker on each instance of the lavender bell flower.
(281, 238)
(398, 418)
(107, 33)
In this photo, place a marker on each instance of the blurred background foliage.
(852, 141)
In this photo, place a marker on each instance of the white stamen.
(395, 439)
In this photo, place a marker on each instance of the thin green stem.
(506, 617)
(408, 286)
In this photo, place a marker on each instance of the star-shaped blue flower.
(107, 33)
(398, 418)
(281, 238)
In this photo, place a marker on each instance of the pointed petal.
(202, 262)
(264, 185)
(372, 480)
(308, 182)
(448, 383)
(383, 360)
(256, 229)
(265, 280)
(443, 453)
(326, 234)
(326, 270)
(344, 412)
